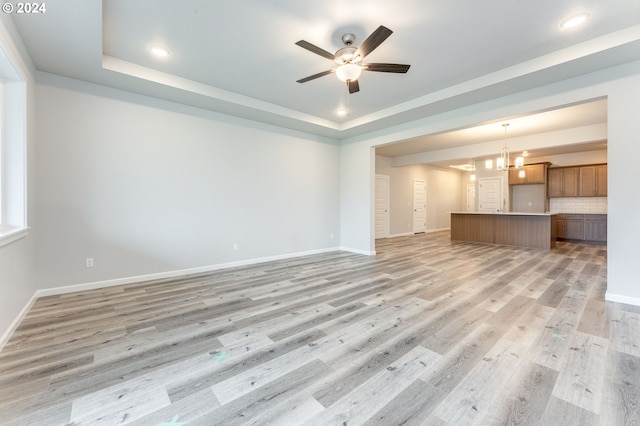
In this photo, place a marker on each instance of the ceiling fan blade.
(313, 77)
(315, 49)
(399, 68)
(374, 40)
(353, 86)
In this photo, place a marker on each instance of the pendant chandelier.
(502, 162)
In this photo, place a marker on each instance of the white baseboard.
(170, 274)
(130, 280)
(622, 299)
(408, 234)
(404, 234)
(16, 322)
(358, 251)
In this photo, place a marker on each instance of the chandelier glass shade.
(502, 162)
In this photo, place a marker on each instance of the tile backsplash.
(594, 205)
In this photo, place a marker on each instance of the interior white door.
(419, 205)
(382, 206)
(490, 194)
(471, 197)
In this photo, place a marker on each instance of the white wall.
(357, 213)
(145, 186)
(576, 159)
(623, 226)
(443, 194)
(17, 260)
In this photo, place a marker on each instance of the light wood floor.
(426, 332)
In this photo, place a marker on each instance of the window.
(13, 112)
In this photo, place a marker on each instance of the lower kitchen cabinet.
(570, 226)
(582, 227)
(595, 227)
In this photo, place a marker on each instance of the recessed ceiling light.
(574, 21)
(158, 51)
(342, 112)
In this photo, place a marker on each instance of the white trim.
(16, 322)
(13, 234)
(404, 234)
(409, 234)
(170, 274)
(424, 195)
(358, 251)
(635, 301)
(387, 207)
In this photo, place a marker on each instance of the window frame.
(13, 151)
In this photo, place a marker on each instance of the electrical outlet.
(235, 246)
(331, 236)
(88, 262)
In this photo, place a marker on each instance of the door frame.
(387, 209)
(503, 201)
(473, 207)
(414, 205)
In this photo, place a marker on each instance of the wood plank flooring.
(427, 332)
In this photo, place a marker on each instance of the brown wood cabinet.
(578, 181)
(582, 227)
(512, 229)
(562, 182)
(593, 181)
(533, 174)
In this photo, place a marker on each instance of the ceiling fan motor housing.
(348, 39)
(347, 55)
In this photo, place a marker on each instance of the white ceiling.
(580, 115)
(239, 57)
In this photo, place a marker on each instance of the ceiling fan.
(349, 58)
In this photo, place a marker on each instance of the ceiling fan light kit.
(348, 72)
(349, 58)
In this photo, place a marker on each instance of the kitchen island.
(535, 230)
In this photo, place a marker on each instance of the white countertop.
(508, 213)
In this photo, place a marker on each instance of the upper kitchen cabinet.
(578, 181)
(533, 174)
(562, 182)
(593, 181)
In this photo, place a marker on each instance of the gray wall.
(528, 198)
(443, 194)
(145, 186)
